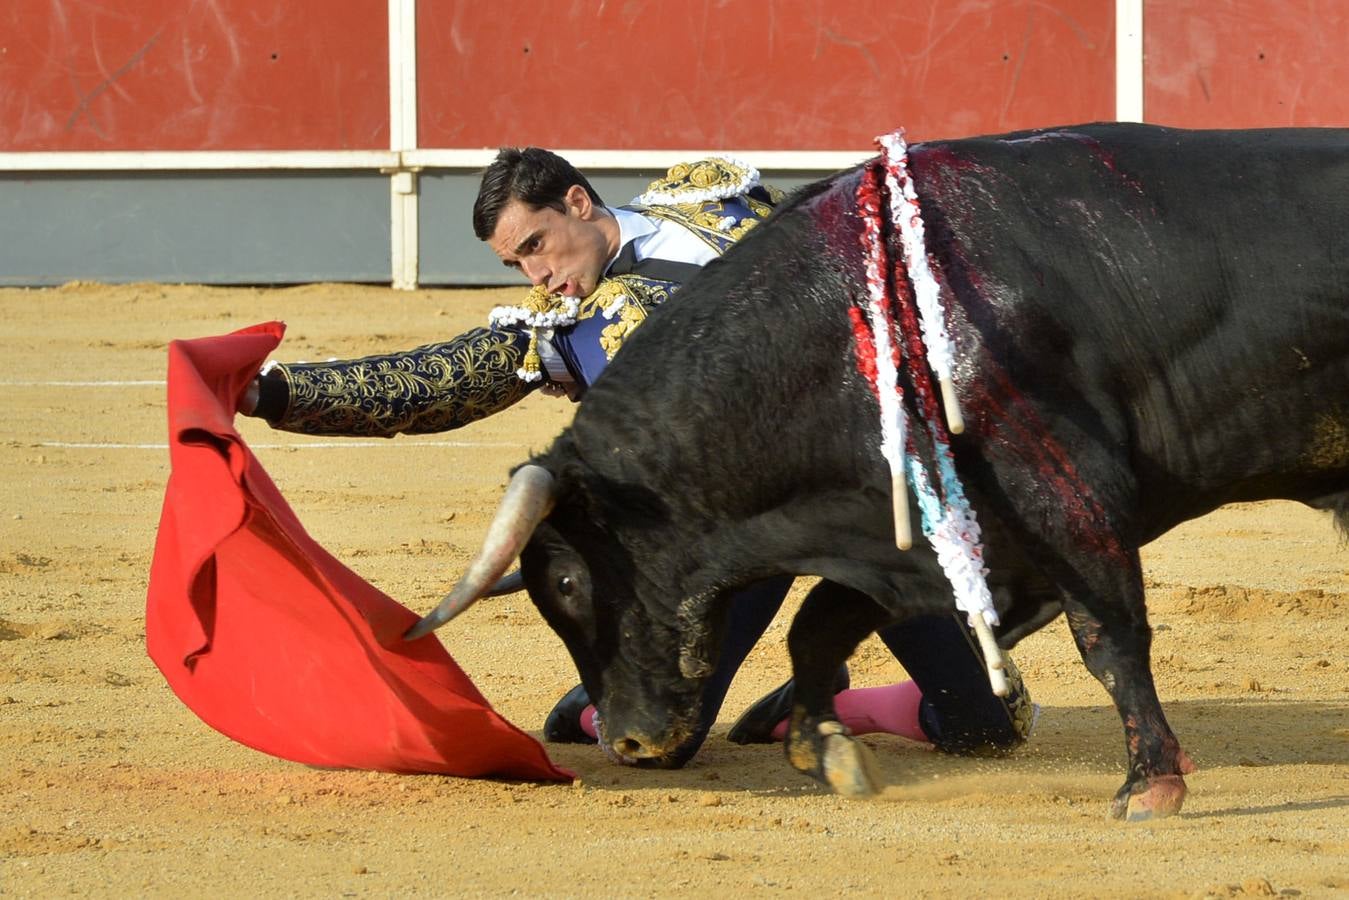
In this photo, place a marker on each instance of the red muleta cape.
(269, 638)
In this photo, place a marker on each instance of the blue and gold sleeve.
(429, 389)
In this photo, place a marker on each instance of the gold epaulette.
(714, 178)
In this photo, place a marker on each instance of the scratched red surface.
(177, 75)
(1247, 63)
(755, 74)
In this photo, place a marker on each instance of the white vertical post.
(403, 234)
(1129, 60)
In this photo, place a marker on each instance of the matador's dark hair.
(531, 175)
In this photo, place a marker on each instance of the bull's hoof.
(849, 768)
(834, 758)
(1152, 798)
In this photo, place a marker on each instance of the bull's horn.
(529, 498)
(507, 584)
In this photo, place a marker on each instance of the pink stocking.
(892, 709)
(588, 721)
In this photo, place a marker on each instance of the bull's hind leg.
(1113, 636)
(832, 621)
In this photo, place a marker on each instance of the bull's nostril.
(629, 747)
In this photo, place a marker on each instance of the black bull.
(1150, 323)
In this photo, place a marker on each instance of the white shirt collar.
(631, 226)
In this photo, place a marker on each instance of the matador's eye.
(565, 585)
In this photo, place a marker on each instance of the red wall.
(739, 74)
(792, 74)
(1247, 63)
(186, 75)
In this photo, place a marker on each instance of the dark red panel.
(756, 74)
(186, 75)
(1246, 63)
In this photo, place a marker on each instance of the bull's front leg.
(1112, 634)
(832, 621)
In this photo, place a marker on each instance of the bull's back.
(1179, 298)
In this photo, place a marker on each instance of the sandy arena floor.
(110, 787)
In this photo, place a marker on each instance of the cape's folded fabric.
(270, 639)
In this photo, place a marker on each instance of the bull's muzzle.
(641, 738)
(638, 748)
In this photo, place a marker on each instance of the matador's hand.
(248, 403)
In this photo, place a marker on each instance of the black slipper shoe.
(563, 725)
(756, 724)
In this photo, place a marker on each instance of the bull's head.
(642, 653)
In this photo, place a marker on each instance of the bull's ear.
(528, 500)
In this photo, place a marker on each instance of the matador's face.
(565, 252)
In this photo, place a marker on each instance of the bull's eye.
(565, 585)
